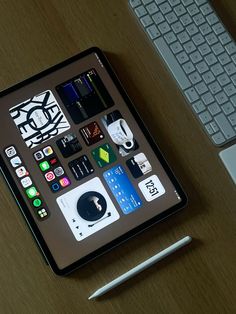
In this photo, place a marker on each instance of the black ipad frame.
(23, 206)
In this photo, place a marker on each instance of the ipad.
(80, 163)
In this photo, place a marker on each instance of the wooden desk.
(34, 35)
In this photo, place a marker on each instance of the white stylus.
(144, 265)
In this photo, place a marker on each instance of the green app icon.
(104, 155)
(37, 202)
(44, 165)
(31, 192)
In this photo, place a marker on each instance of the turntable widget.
(87, 208)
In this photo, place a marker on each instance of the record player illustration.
(87, 208)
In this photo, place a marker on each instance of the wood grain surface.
(200, 278)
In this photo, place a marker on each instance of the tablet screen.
(81, 160)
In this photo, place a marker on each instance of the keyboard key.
(206, 9)
(145, 2)
(199, 19)
(170, 37)
(188, 67)
(171, 17)
(230, 68)
(153, 31)
(189, 47)
(191, 94)
(228, 108)
(182, 57)
(165, 8)
(199, 106)
(221, 98)
(232, 119)
(218, 28)
(214, 109)
(233, 100)
(174, 2)
(212, 18)
(204, 49)
(224, 58)
(198, 39)
(217, 48)
(186, 19)
(195, 57)
(208, 77)
(223, 79)
(207, 98)
(205, 117)
(192, 29)
(233, 79)
(152, 8)
(211, 39)
(230, 90)
(158, 18)
(218, 138)
(214, 87)
(187, 2)
(169, 58)
(202, 67)
(183, 37)
(179, 10)
(209, 129)
(164, 28)
(224, 126)
(176, 47)
(177, 27)
(192, 9)
(214, 126)
(195, 78)
(205, 29)
(146, 20)
(140, 11)
(217, 69)
(210, 59)
(201, 88)
(224, 38)
(134, 3)
(231, 48)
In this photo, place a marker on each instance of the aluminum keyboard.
(201, 55)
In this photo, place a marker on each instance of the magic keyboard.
(201, 55)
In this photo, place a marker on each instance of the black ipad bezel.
(22, 204)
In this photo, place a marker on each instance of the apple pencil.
(144, 265)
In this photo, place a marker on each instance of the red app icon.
(64, 182)
(49, 176)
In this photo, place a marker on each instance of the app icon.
(64, 182)
(151, 188)
(81, 167)
(32, 192)
(21, 172)
(15, 161)
(139, 165)
(42, 213)
(44, 165)
(104, 155)
(69, 145)
(26, 182)
(53, 161)
(91, 133)
(37, 202)
(59, 171)
(10, 151)
(55, 187)
(50, 176)
(38, 155)
(47, 150)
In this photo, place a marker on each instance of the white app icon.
(10, 151)
(151, 188)
(26, 182)
(38, 155)
(15, 161)
(21, 172)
